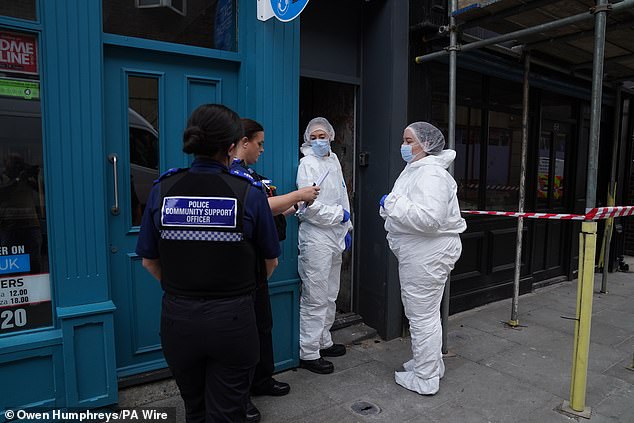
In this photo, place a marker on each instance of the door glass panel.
(551, 164)
(560, 139)
(543, 169)
(143, 115)
(22, 9)
(201, 23)
(468, 128)
(504, 153)
(467, 165)
(25, 294)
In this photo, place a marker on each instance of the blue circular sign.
(287, 10)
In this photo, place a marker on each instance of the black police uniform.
(210, 231)
(263, 313)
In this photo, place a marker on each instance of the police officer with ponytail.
(203, 236)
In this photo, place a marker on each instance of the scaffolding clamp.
(601, 8)
(447, 28)
(456, 48)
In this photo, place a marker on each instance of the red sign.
(18, 52)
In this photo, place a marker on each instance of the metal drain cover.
(365, 408)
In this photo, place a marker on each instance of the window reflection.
(22, 9)
(551, 164)
(26, 302)
(201, 23)
(543, 169)
(468, 128)
(504, 152)
(467, 165)
(143, 110)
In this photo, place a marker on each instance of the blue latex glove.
(382, 202)
(348, 240)
(346, 216)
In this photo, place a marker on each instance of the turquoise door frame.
(183, 85)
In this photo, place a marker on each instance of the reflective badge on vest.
(199, 212)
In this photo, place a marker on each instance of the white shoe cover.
(409, 380)
(409, 367)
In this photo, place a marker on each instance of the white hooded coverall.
(422, 218)
(321, 243)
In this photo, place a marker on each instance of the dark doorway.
(336, 102)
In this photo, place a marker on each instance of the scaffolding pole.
(514, 322)
(587, 237)
(614, 8)
(609, 223)
(451, 143)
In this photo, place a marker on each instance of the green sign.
(28, 90)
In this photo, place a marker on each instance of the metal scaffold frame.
(587, 241)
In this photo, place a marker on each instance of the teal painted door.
(148, 97)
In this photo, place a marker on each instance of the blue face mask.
(321, 147)
(406, 153)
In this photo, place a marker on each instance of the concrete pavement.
(497, 374)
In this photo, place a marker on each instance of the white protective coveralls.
(422, 218)
(321, 243)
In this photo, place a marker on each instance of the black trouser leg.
(263, 316)
(211, 347)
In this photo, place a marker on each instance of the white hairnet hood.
(319, 123)
(428, 136)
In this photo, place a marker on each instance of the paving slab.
(303, 399)
(622, 370)
(491, 396)
(618, 319)
(392, 353)
(535, 368)
(618, 405)
(475, 344)
(626, 346)
(548, 414)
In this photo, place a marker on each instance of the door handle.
(112, 158)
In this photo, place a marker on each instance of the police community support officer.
(202, 233)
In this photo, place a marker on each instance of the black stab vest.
(280, 220)
(203, 261)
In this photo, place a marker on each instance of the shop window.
(22, 9)
(556, 131)
(467, 164)
(201, 23)
(143, 115)
(504, 145)
(504, 156)
(25, 294)
(551, 161)
(468, 128)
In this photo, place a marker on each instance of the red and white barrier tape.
(594, 214)
(609, 212)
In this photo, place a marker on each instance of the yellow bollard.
(581, 347)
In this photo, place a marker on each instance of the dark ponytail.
(211, 129)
